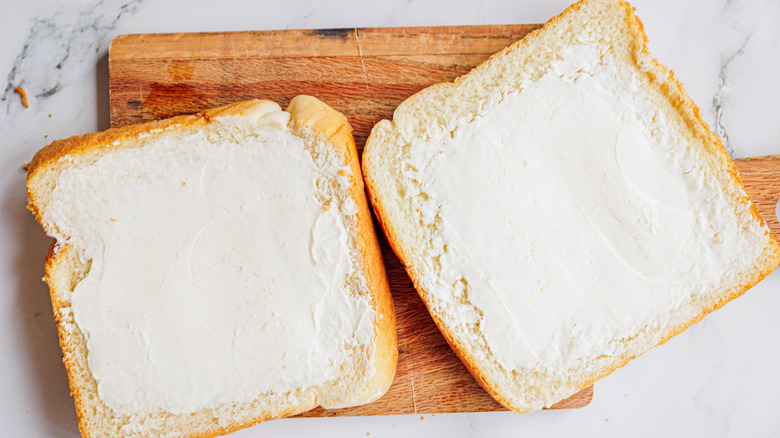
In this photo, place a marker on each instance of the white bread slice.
(68, 183)
(563, 208)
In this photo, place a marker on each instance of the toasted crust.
(452, 101)
(309, 116)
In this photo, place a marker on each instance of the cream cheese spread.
(220, 266)
(561, 221)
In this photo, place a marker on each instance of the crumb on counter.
(25, 166)
(22, 93)
(49, 115)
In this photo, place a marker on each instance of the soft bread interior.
(591, 161)
(308, 318)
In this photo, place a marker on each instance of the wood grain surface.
(364, 73)
(761, 177)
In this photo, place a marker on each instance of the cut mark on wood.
(362, 61)
(414, 394)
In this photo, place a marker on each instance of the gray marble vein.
(732, 13)
(59, 40)
(718, 101)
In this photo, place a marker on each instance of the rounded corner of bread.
(372, 390)
(306, 101)
(307, 113)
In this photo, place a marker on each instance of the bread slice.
(563, 208)
(213, 271)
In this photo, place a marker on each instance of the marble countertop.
(718, 378)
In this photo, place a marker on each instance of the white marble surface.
(718, 378)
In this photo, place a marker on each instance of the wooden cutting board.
(364, 73)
